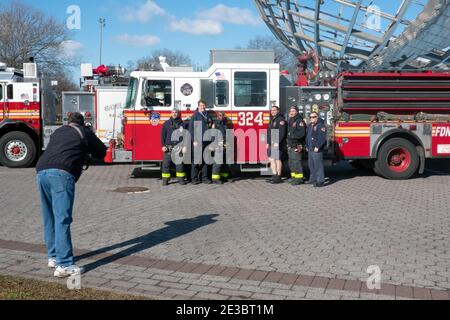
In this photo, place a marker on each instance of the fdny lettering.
(442, 132)
(186, 310)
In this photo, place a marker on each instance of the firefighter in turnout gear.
(220, 170)
(173, 150)
(276, 149)
(295, 141)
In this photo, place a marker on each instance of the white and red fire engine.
(389, 122)
(28, 109)
(25, 101)
(386, 121)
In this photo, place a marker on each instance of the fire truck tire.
(397, 160)
(17, 150)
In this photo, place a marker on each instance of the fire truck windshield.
(132, 93)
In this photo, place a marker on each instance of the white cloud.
(196, 27)
(69, 49)
(138, 40)
(210, 21)
(143, 13)
(231, 15)
(205, 22)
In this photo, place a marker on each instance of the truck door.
(6, 94)
(2, 101)
(154, 108)
(250, 105)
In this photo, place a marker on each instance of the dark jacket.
(317, 136)
(296, 131)
(222, 126)
(277, 123)
(167, 130)
(67, 151)
(205, 121)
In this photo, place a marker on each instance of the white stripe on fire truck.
(353, 131)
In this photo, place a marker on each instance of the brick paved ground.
(243, 240)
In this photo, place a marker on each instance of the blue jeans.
(57, 190)
(315, 163)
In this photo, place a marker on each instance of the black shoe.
(297, 182)
(270, 179)
(182, 182)
(165, 183)
(319, 185)
(195, 182)
(206, 181)
(277, 180)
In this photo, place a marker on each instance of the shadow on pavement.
(173, 230)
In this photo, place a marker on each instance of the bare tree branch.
(283, 56)
(151, 62)
(27, 32)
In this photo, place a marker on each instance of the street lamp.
(102, 22)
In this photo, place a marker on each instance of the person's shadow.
(173, 230)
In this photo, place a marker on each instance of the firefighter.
(200, 122)
(316, 140)
(220, 170)
(171, 148)
(276, 149)
(295, 141)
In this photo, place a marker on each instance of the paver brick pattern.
(335, 232)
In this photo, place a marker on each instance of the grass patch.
(17, 288)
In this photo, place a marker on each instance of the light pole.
(102, 22)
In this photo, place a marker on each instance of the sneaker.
(206, 181)
(195, 182)
(52, 263)
(63, 272)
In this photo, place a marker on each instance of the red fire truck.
(389, 122)
(25, 101)
(392, 121)
(386, 121)
(28, 109)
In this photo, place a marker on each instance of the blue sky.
(135, 28)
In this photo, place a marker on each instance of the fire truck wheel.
(397, 159)
(17, 150)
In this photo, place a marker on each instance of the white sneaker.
(52, 263)
(63, 272)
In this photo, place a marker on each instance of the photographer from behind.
(58, 169)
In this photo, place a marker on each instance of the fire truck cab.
(24, 99)
(243, 84)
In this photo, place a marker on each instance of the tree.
(27, 32)
(283, 56)
(151, 62)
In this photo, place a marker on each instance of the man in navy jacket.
(316, 140)
(200, 122)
